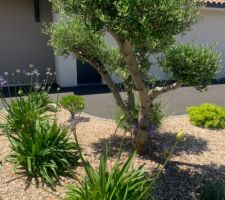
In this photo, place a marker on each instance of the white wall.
(66, 68)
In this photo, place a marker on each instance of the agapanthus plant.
(39, 146)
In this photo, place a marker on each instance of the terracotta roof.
(215, 3)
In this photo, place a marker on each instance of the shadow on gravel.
(184, 181)
(160, 143)
(116, 142)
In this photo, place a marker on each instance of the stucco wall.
(209, 30)
(21, 39)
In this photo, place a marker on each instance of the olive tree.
(142, 29)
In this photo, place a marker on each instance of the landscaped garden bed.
(199, 158)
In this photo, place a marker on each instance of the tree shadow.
(38, 182)
(116, 142)
(184, 181)
(160, 143)
(81, 119)
(78, 119)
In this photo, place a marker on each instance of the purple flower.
(2, 81)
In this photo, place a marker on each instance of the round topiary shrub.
(207, 116)
(73, 103)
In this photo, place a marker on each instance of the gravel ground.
(197, 159)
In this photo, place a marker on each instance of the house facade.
(22, 41)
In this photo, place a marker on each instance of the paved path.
(174, 102)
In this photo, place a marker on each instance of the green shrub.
(156, 114)
(121, 182)
(213, 191)
(155, 118)
(124, 123)
(207, 116)
(44, 151)
(73, 103)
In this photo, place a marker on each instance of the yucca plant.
(120, 183)
(45, 151)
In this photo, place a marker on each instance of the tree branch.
(160, 90)
(107, 78)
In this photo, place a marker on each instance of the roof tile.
(215, 1)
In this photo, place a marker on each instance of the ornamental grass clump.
(23, 112)
(44, 151)
(207, 116)
(73, 103)
(39, 146)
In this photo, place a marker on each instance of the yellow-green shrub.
(207, 116)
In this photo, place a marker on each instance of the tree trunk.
(141, 140)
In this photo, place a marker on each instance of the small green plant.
(121, 182)
(124, 123)
(156, 115)
(73, 103)
(213, 191)
(44, 151)
(155, 118)
(207, 116)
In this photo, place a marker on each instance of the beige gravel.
(199, 157)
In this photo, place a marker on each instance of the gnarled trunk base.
(141, 142)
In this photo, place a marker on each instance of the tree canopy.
(141, 28)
